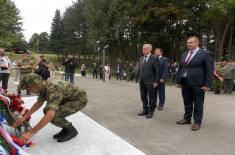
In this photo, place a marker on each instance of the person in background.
(25, 66)
(163, 76)
(118, 72)
(218, 79)
(95, 71)
(52, 70)
(83, 70)
(174, 71)
(130, 72)
(107, 73)
(229, 76)
(4, 68)
(70, 67)
(124, 74)
(43, 68)
(15, 71)
(136, 72)
(101, 70)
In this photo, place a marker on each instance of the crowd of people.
(23, 67)
(129, 72)
(194, 75)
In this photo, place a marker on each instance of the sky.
(38, 14)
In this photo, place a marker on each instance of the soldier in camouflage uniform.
(218, 79)
(63, 99)
(26, 67)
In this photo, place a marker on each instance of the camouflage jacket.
(59, 92)
(26, 66)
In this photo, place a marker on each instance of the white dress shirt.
(194, 53)
(147, 56)
(4, 60)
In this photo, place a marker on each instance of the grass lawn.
(34, 57)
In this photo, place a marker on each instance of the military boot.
(60, 134)
(71, 133)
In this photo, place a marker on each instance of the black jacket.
(70, 66)
(149, 71)
(199, 70)
(163, 67)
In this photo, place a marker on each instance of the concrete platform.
(93, 139)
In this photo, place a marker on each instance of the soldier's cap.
(29, 79)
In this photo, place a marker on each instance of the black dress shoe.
(144, 112)
(196, 126)
(160, 108)
(149, 115)
(183, 121)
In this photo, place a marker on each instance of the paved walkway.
(115, 105)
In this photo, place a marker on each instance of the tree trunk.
(230, 41)
(94, 55)
(223, 37)
(100, 58)
(79, 57)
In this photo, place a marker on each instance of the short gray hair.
(149, 46)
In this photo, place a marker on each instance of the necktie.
(189, 57)
(145, 59)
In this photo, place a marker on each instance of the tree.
(220, 15)
(75, 28)
(125, 25)
(43, 42)
(33, 42)
(56, 42)
(10, 25)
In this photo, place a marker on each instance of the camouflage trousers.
(19, 88)
(67, 109)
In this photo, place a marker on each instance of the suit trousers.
(148, 96)
(161, 93)
(5, 78)
(193, 97)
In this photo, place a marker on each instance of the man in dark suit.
(163, 76)
(194, 77)
(94, 71)
(149, 79)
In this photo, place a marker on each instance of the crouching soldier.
(62, 99)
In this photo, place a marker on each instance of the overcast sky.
(38, 14)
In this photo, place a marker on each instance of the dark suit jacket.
(199, 70)
(163, 67)
(149, 72)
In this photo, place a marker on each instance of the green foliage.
(74, 28)
(125, 25)
(33, 42)
(57, 35)
(10, 25)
